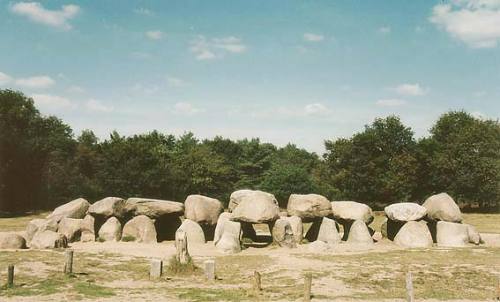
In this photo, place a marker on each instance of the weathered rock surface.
(351, 210)
(443, 208)
(318, 246)
(202, 209)
(88, 229)
(328, 231)
(308, 206)
(451, 234)
(282, 233)
(73, 209)
(474, 236)
(254, 207)
(405, 211)
(48, 240)
(359, 233)
(36, 225)
(414, 234)
(111, 230)
(219, 229)
(297, 227)
(71, 228)
(140, 229)
(229, 241)
(12, 241)
(383, 228)
(107, 207)
(194, 232)
(153, 208)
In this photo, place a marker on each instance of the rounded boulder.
(308, 206)
(254, 207)
(202, 209)
(405, 211)
(442, 207)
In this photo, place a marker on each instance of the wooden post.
(68, 265)
(256, 282)
(498, 289)
(210, 269)
(409, 288)
(10, 276)
(307, 287)
(182, 246)
(156, 269)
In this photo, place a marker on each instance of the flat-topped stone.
(153, 208)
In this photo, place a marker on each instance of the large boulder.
(254, 207)
(297, 227)
(359, 233)
(140, 229)
(229, 241)
(450, 234)
(349, 211)
(219, 229)
(405, 211)
(442, 207)
(194, 232)
(204, 210)
(107, 207)
(308, 206)
(12, 241)
(153, 208)
(474, 236)
(283, 234)
(39, 225)
(414, 234)
(328, 231)
(111, 230)
(88, 229)
(71, 228)
(48, 240)
(73, 209)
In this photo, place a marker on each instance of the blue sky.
(284, 71)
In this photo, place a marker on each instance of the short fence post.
(156, 269)
(498, 289)
(256, 282)
(307, 287)
(68, 265)
(10, 276)
(181, 245)
(409, 288)
(210, 269)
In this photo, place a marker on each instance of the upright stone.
(88, 229)
(39, 225)
(297, 227)
(111, 230)
(140, 229)
(283, 234)
(181, 245)
(193, 231)
(219, 229)
(450, 234)
(359, 233)
(328, 231)
(229, 242)
(414, 234)
(71, 228)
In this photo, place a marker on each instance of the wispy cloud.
(390, 102)
(207, 49)
(410, 90)
(52, 101)
(384, 30)
(186, 109)
(35, 82)
(316, 110)
(75, 89)
(176, 82)
(154, 34)
(4, 78)
(310, 37)
(97, 106)
(474, 22)
(143, 11)
(55, 18)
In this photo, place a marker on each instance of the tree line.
(43, 164)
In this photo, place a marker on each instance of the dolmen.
(438, 220)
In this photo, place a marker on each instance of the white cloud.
(75, 89)
(317, 109)
(310, 37)
(384, 30)
(98, 106)
(145, 89)
(55, 18)
(52, 101)
(186, 109)
(176, 82)
(154, 34)
(35, 82)
(391, 102)
(410, 90)
(143, 11)
(207, 49)
(4, 78)
(474, 22)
